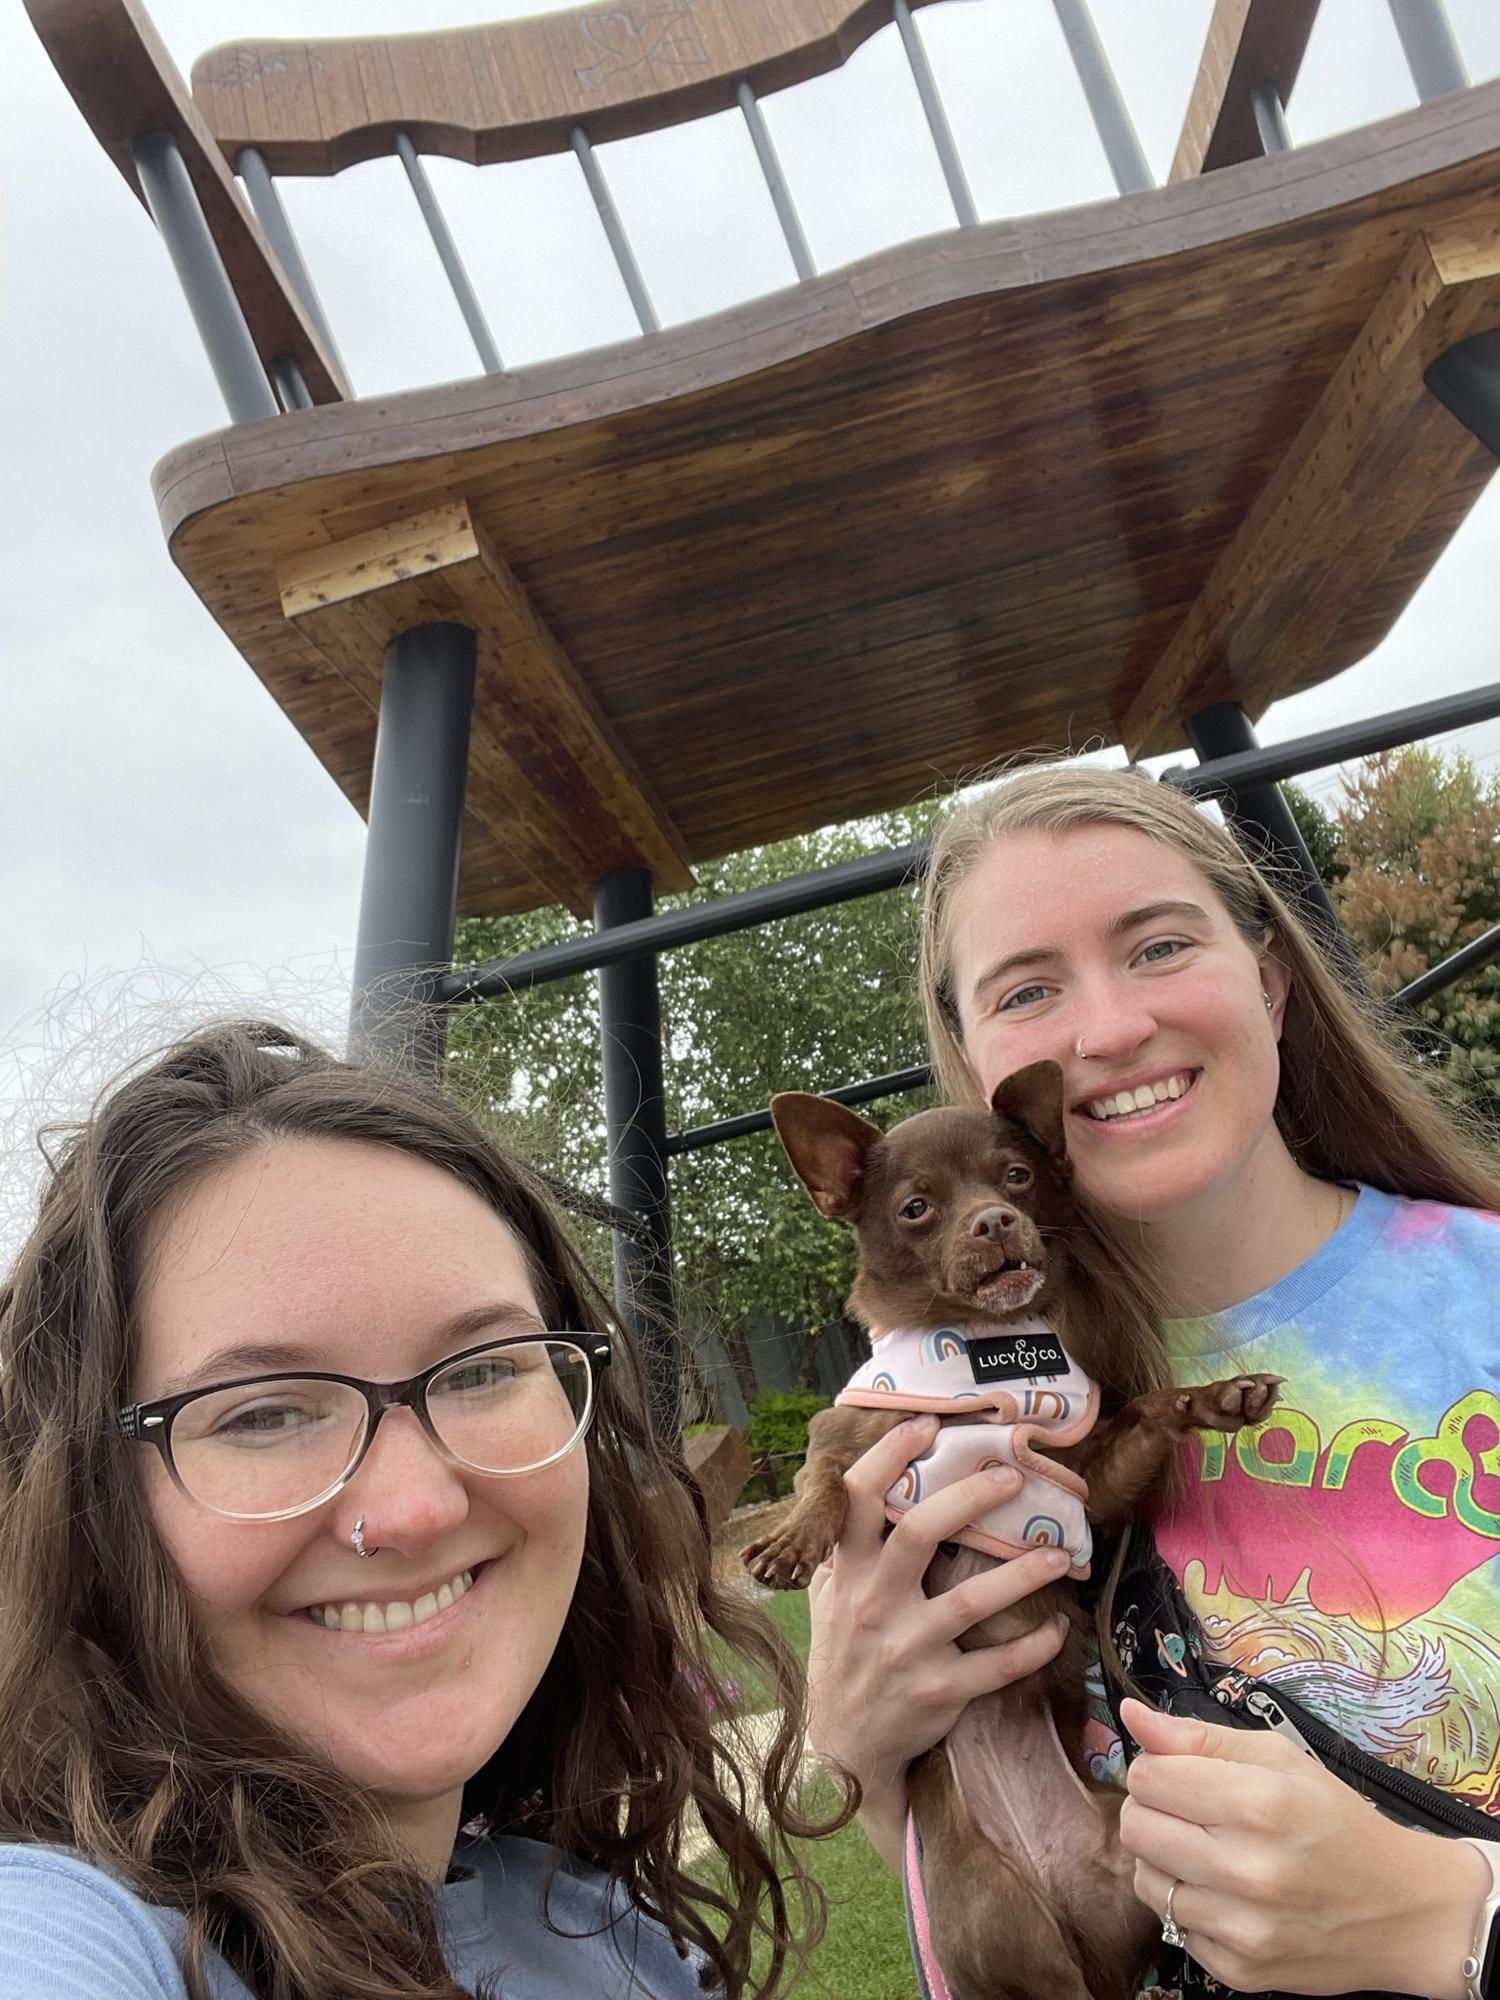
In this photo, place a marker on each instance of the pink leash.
(930, 1981)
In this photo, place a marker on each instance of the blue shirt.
(70, 1931)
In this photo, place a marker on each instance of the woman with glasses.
(356, 1630)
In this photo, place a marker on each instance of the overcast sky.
(164, 832)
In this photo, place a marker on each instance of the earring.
(1270, 1003)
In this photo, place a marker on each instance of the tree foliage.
(812, 1001)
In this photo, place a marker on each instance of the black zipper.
(1376, 1780)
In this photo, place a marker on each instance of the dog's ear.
(827, 1144)
(1033, 1099)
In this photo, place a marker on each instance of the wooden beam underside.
(1375, 457)
(1248, 42)
(557, 793)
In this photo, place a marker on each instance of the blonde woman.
(356, 1630)
(1309, 1206)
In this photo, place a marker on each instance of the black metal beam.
(891, 1085)
(1472, 957)
(818, 889)
(635, 1122)
(1272, 762)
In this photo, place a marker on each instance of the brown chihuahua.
(962, 1220)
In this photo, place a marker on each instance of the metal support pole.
(770, 166)
(1111, 120)
(410, 892)
(635, 1118)
(937, 118)
(452, 263)
(1263, 822)
(178, 214)
(1472, 957)
(1466, 380)
(272, 218)
(291, 384)
(1427, 42)
(893, 1084)
(1270, 118)
(614, 230)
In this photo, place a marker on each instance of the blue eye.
(1023, 996)
(1170, 946)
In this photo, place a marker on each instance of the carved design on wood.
(667, 38)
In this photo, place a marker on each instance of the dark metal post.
(1270, 118)
(635, 1118)
(1111, 120)
(178, 214)
(780, 193)
(1263, 821)
(1427, 42)
(1466, 380)
(410, 893)
(937, 117)
(448, 257)
(273, 219)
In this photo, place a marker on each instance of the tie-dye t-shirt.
(1345, 1547)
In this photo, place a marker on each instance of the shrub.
(778, 1425)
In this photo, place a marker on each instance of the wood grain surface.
(841, 546)
(1248, 42)
(517, 88)
(120, 76)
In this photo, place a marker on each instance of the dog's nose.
(992, 1225)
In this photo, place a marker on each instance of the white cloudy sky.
(160, 821)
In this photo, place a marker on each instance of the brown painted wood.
(1360, 478)
(821, 554)
(119, 74)
(517, 88)
(557, 793)
(1248, 42)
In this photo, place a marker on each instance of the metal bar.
(1270, 118)
(175, 209)
(614, 229)
(290, 385)
(818, 889)
(1428, 43)
(937, 118)
(635, 1119)
(893, 1085)
(452, 263)
(770, 166)
(1263, 823)
(1466, 380)
(410, 891)
(273, 219)
(1111, 120)
(1472, 957)
(1332, 746)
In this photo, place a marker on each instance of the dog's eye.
(1018, 1176)
(914, 1210)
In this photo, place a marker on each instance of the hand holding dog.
(1288, 1879)
(887, 1677)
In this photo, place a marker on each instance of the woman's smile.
(426, 1614)
(1132, 1110)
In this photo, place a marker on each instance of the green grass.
(863, 1954)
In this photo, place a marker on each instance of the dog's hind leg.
(992, 1934)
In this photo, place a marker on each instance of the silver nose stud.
(358, 1539)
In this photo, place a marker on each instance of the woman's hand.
(886, 1676)
(1288, 1879)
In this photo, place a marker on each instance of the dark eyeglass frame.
(151, 1423)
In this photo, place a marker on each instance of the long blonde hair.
(1353, 1102)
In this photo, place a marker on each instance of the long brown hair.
(1354, 1103)
(119, 1739)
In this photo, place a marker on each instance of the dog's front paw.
(1225, 1406)
(787, 1560)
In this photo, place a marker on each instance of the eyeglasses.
(270, 1446)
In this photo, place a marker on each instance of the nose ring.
(1080, 1051)
(358, 1539)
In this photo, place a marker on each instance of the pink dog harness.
(1017, 1386)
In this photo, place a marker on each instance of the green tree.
(1419, 839)
(1321, 832)
(812, 1001)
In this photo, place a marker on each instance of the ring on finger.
(1171, 1931)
